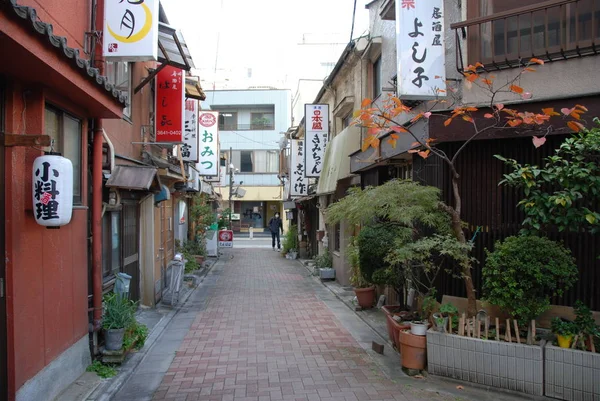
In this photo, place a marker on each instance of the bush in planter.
(375, 242)
(585, 327)
(290, 240)
(523, 273)
(352, 253)
(118, 315)
(324, 260)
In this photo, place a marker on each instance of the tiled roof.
(60, 42)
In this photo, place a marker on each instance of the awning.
(172, 50)
(193, 90)
(336, 164)
(134, 177)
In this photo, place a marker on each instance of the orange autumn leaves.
(381, 121)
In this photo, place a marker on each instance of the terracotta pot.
(365, 296)
(393, 326)
(199, 259)
(413, 349)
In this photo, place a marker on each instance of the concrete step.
(81, 388)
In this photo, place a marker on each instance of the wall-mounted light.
(52, 190)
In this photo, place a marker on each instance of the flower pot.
(365, 297)
(418, 328)
(199, 259)
(293, 255)
(389, 311)
(564, 341)
(320, 235)
(327, 273)
(413, 349)
(113, 339)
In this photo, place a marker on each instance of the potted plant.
(324, 263)
(290, 242)
(447, 313)
(202, 216)
(118, 315)
(564, 331)
(364, 291)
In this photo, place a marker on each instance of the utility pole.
(230, 187)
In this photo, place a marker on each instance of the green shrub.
(374, 243)
(523, 273)
(118, 312)
(324, 260)
(353, 255)
(562, 327)
(290, 239)
(104, 371)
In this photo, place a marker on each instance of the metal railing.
(551, 30)
(247, 127)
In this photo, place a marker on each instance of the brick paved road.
(265, 335)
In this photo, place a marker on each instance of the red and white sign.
(225, 239)
(316, 117)
(170, 110)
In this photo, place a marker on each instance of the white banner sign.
(316, 118)
(130, 30)
(189, 149)
(298, 180)
(209, 143)
(420, 48)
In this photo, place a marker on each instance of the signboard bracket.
(149, 78)
(24, 140)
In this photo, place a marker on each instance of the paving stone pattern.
(265, 335)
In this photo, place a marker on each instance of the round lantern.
(52, 190)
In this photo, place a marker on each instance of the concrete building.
(251, 123)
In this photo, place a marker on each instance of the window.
(347, 121)
(337, 237)
(111, 244)
(262, 121)
(550, 30)
(228, 121)
(377, 77)
(119, 75)
(65, 132)
(246, 165)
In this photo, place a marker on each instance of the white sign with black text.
(420, 49)
(209, 143)
(316, 118)
(189, 149)
(298, 180)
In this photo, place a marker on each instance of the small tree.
(389, 118)
(522, 273)
(565, 192)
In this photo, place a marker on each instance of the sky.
(240, 43)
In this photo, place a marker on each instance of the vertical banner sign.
(209, 143)
(420, 48)
(316, 117)
(170, 98)
(130, 30)
(298, 181)
(189, 149)
(52, 190)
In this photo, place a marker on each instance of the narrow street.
(261, 328)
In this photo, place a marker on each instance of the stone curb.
(109, 388)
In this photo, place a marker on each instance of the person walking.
(275, 224)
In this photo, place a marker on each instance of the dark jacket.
(275, 224)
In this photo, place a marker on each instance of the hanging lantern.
(52, 190)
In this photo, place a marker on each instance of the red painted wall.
(46, 269)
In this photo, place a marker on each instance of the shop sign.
(420, 49)
(52, 190)
(316, 117)
(130, 30)
(170, 98)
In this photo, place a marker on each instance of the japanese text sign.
(316, 118)
(170, 98)
(130, 30)
(209, 143)
(52, 190)
(189, 149)
(226, 238)
(420, 49)
(298, 180)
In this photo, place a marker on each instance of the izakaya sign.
(298, 180)
(209, 143)
(52, 190)
(130, 30)
(316, 117)
(170, 98)
(189, 149)
(420, 48)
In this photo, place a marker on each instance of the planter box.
(510, 366)
(571, 374)
(327, 273)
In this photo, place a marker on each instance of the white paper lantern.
(52, 190)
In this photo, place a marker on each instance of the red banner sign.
(170, 98)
